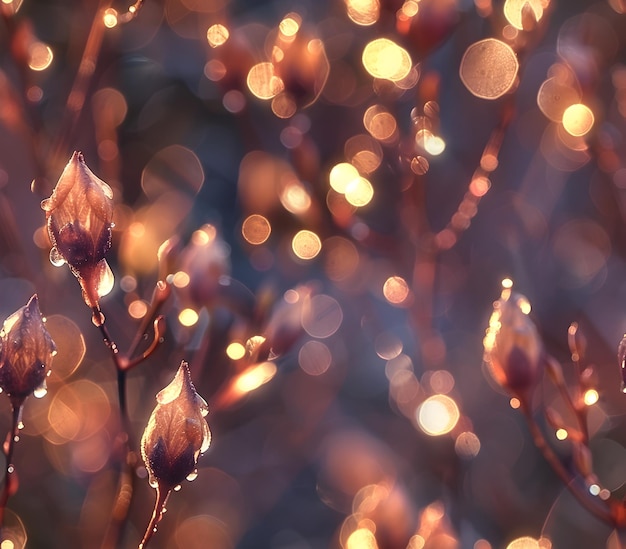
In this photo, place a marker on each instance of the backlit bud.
(513, 349)
(26, 352)
(205, 260)
(177, 432)
(80, 218)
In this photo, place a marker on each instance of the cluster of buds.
(79, 217)
(26, 351)
(513, 349)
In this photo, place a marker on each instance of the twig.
(159, 507)
(10, 478)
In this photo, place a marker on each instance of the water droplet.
(1, 390)
(56, 258)
(40, 392)
(153, 482)
(54, 353)
(164, 510)
(97, 318)
(10, 469)
(112, 225)
(16, 438)
(193, 475)
(154, 529)
(177, 488)
(106, 279)
(46, 204)
(20, 425)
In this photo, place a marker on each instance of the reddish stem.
(162, 494)
(10, 478)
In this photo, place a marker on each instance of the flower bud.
(177, 432)
(26, 352)
(80, 218)
(205, 260)
(513, 349)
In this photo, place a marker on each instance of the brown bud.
(177, 432)
(80, 218)
(513, 349)
(26, 353)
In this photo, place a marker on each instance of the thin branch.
(159, 506)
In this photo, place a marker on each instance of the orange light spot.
(40, 56)
(138, 309)
(110, 18)
(254, 377)
(489, 68)
(256, 229)
(438, 415)
(384, 59)
(359, 192)
(306, 244)
(217, 35)
(341, 175)
(188, 317)
(235, 351)
(363, 12)
(578, 119)
(396, 290)
(263, 82)
(514, 11)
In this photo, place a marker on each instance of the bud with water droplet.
(79, 214)
(513, 348)
(177, 432)
(26, 352)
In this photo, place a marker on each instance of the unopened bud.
(26, 353)
(80, 219)
(177, 432)
(513, 349)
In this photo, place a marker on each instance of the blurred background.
(348, 181)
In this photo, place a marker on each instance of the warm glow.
(217, 35)
(110, 18)
(514, 11)
(578, 119)
(515, 403)
(396, 290)
(359, 192)
(295, 198)
(362, 538)
(180, 279)
(591, 397)
(525, 542)
(438, 415)
(138, 309)
(40, 56)
(235, 351)
(380, 123)
(256, 229)
(254, 377)
(342, 175)
(290, 25)
(188, 317)
(489, 68)
(306, 244)
(479, 186)
(561, 434)
(383, 58)
(263, 82)
(363, 12)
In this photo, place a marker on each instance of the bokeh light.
(438, 415)
(383, 58)
(578, 119)
(489, 68)
(306, 244)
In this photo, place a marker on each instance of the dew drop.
(16, 438)
(40, 392)
(177, 488)
(97, 318)
(20, 425)
(46, 204)
(154, 529)
(1, 390)
(56, 258)
(164, 510)
(153, 482)
(10, 469)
